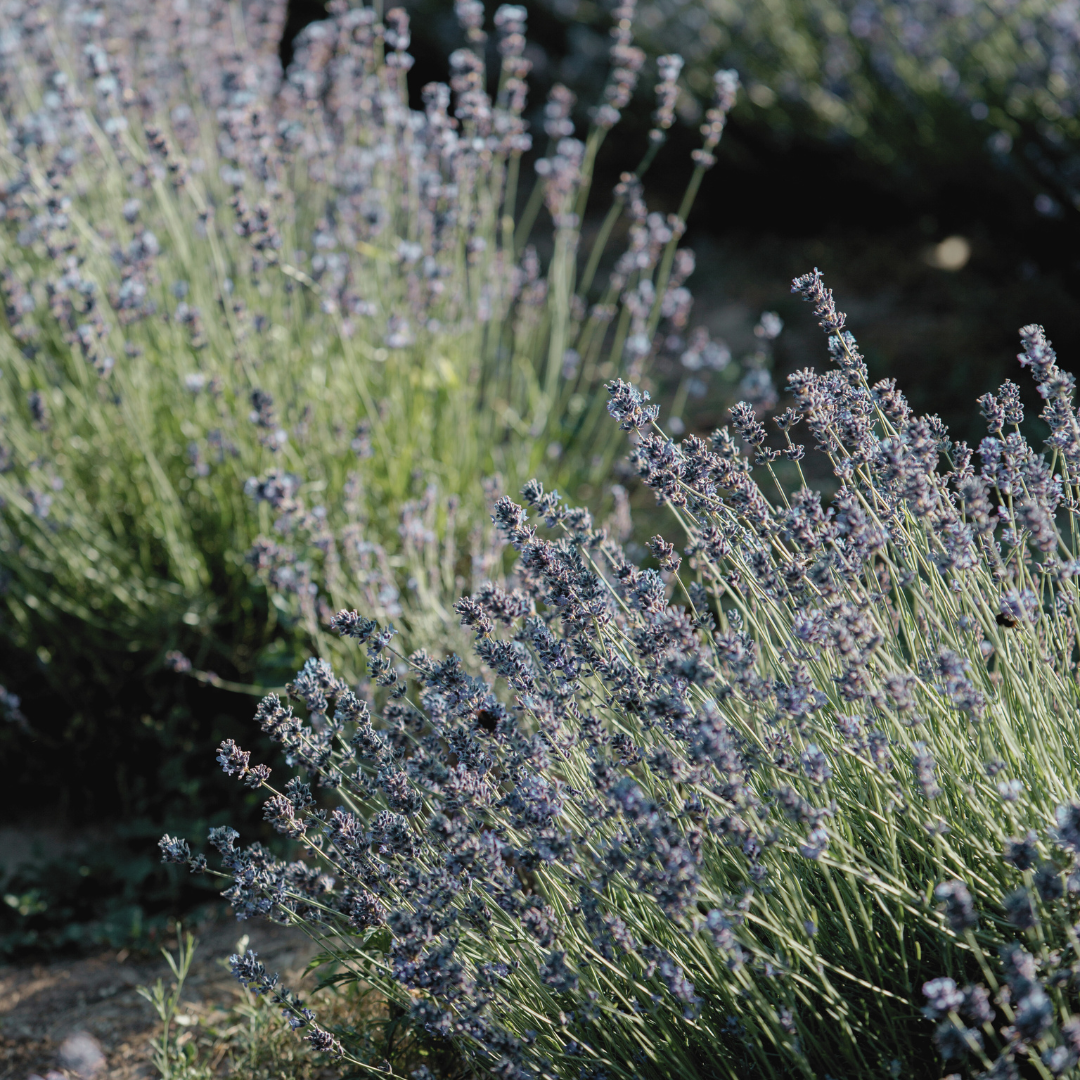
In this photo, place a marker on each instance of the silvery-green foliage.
(799, 800)
(241, 304)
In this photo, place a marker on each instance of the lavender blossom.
(959, 907)
(627, 406)
(174, 849)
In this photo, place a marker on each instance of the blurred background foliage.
(870, 132)
(925, 155)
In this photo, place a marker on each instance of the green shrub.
(238, 306)
(768, 810)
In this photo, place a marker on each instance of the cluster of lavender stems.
(799, 797)
(251, 316)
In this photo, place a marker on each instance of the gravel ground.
(43, 1004)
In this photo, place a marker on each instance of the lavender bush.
(895, 77)
(798, 800)
(1015, 60)
(239, 305)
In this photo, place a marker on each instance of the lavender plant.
(1015, 59)
(800, 800)
(892, 76)
(238, 301)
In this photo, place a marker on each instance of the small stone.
(81, 1054)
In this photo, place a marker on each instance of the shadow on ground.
(43, 1004)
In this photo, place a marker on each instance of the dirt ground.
(42, 1004)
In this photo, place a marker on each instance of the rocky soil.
(45, 1007)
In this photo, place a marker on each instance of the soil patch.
(41, 1004)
